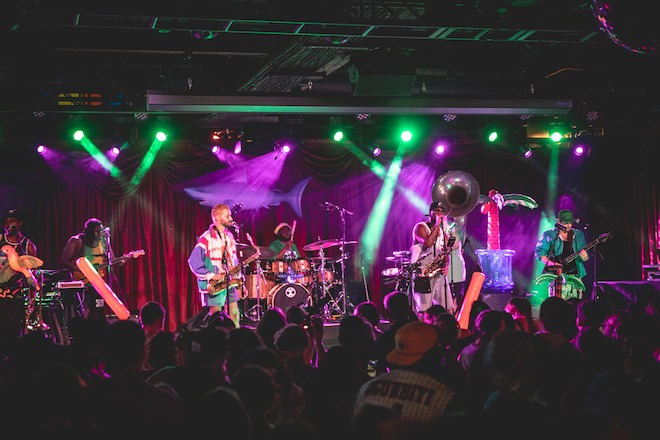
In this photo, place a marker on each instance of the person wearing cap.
(12, 222)
(430, 240)
(12, 301)
(283, 244)
(419, 386)
(556, 244)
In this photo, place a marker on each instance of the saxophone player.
(433, 242)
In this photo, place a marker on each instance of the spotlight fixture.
(449, 117)
(592, 116)
(41, 149)
(579, 150)
(439, 149)
(286, 149)
(527, 153)
(215, 149)
(238, 147)
(376, 151)
(115, 151)
(362, 116)
(140, 116)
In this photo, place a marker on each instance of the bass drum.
(285, 296)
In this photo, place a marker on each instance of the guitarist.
(92, 243)
(213, 256)
(555, 245)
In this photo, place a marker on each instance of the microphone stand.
(476, 259)
(343, 296)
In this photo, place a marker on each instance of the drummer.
(283, 244)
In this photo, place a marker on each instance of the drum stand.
(257, 308)
(330, 303)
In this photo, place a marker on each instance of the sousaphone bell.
(458, 191)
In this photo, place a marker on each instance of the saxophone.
(440, 262)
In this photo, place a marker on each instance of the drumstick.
(293, 229)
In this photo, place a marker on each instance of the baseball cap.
(436, 205)
(280, 226)
(411, 342)
(565, 216)
(15, 213)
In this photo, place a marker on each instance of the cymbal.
(266, 253)
(322, 244)
(246, 251)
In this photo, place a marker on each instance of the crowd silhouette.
(578, 370)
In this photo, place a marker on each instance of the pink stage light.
(41, 149)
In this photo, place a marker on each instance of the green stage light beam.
(547, 219)
(373, 231)
(147, 161)
(99, 157)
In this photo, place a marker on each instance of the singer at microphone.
(561, 227)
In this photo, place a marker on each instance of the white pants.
(440, 294)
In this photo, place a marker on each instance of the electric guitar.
(602, 238)
(101, 268)
(555, 274)
(228, 281)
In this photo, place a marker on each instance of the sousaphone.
(458, 191)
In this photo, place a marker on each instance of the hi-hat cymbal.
(247, 250)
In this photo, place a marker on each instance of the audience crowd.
(578, 370)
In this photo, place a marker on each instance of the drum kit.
(286, 283)
(402, 274)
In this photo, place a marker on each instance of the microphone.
(106, 230)
(560, 227)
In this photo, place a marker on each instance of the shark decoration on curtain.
(491, 206)
(247, 195)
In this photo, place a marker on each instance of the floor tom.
(257, 286)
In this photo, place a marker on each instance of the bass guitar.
(101, 268)
(230, 280)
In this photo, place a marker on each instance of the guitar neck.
(574, 255)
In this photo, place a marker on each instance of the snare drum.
(285, 296)
(257, 286)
